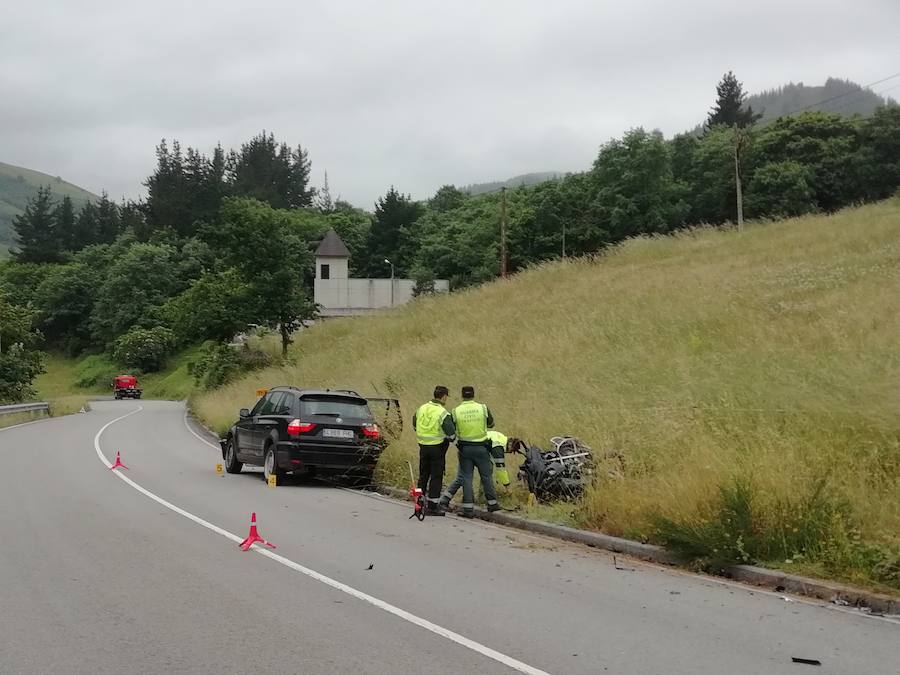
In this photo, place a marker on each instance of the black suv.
(324, 432)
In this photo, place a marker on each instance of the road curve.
(98, 575)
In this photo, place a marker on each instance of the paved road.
(99, 577)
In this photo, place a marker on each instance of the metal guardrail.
(25, 408)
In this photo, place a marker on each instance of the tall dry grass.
(769, 356)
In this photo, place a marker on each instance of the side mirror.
(244, 413)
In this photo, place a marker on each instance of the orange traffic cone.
(253, 537)
(118, 463)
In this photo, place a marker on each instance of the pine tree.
(108, 223)
(729, 109)
(86, 227)
(324, 202)
(36, 230)
(395, 214)
(64, 224)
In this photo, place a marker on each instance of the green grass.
(91, 375)
(767, 358)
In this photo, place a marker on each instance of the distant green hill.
(835, 96)
(518, 181)
(18, 185)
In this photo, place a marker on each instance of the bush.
(743, 527)
(144, 348)
(219, 363)
(96, 370)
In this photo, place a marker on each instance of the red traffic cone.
(118, 464)
(253, 537)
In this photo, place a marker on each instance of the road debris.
(808, 662)
(621, 569)
(371, 566)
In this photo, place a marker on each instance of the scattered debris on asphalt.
(621, 569)
(809, 662)
(371, 566)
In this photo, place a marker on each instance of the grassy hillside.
(748, 379)
(77, 379)
(18, 185)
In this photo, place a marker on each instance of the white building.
(339, 295)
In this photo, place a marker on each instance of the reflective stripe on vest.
(471, 422)
(497, 439)
(429, 418)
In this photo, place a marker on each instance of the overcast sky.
(414, 93)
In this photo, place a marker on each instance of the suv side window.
(285, 405)
(273, 400)
(259, 404)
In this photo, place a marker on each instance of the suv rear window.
(334, 406)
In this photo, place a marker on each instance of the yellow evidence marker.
(220, 470)
(261, 392)
(273, 480)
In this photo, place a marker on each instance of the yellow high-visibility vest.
(471, 421)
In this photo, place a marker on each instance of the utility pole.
(738, 147)
(564, 240)
(503, 233)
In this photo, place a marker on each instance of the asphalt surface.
(98, 577)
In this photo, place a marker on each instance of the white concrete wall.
(367, 294)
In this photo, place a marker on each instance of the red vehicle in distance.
(125, 386)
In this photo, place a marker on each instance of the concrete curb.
(838, 594)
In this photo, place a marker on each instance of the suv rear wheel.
(232, 465)
(270, 467)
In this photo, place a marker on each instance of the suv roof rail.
(285, 386)
(346, 391)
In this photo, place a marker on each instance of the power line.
(854, 92)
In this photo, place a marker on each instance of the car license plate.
(337, 433)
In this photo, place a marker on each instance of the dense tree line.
(225, 241)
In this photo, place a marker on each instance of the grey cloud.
(414, 93)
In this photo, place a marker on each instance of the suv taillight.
(371, 430)
(296, 427)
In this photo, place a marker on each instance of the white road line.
(202, 440)
(328, 581)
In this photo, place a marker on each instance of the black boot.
(434, 510)
(494, 507)
(467, 513)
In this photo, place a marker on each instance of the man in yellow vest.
(434, 428)
(472, 420)
(498, 455)
(499, 443)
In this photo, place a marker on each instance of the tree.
(636, 192)
(877, 162)
(447, 198)
(36, 230)
(144, 348)
(64, 223)
(258, 242)
(139, 280)
(64, 300)
(780, 190)
(87, 228)
(823, 142)
(395, 215)
(729, 108)
(215, 307)
(271, 172)
(323, 199)
(20, 362)
(108, 222)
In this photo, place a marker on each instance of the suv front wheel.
(232, 465)
(270, 466)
